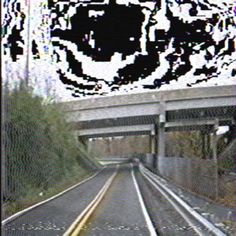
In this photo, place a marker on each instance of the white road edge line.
(174, 205)
(143, 207)
(188, 208)
(194, 213)
(72, 227)
(10, 218)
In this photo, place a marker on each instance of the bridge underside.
(116, 131)
(178, 120)
(205, 120)
(155, 113)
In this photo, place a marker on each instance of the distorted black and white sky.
(98, 47)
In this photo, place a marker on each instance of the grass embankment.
(41, 156)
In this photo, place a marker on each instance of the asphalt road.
(55, 217)
(166, 220)
(120, 212)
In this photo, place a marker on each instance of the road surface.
(119, 200)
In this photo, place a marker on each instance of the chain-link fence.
(40, 155)
(189, 163)
(199, 150)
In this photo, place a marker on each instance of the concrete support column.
(152, 144)
(84, 142)
(161, 131)
(153, 141)
(161, 140)
(214, 156)
(88, 143)
(214, 141)
(153, 147)
(232, 136)
(214, 146)
(205, 144)
(232, 132)
(76, 136)
(81, 140)
(208, 146)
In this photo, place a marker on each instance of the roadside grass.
(34, 195)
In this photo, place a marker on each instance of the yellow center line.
(78, 224)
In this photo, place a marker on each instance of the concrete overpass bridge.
(154, 113)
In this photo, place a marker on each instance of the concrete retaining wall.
(198, 176)
(149, 160)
